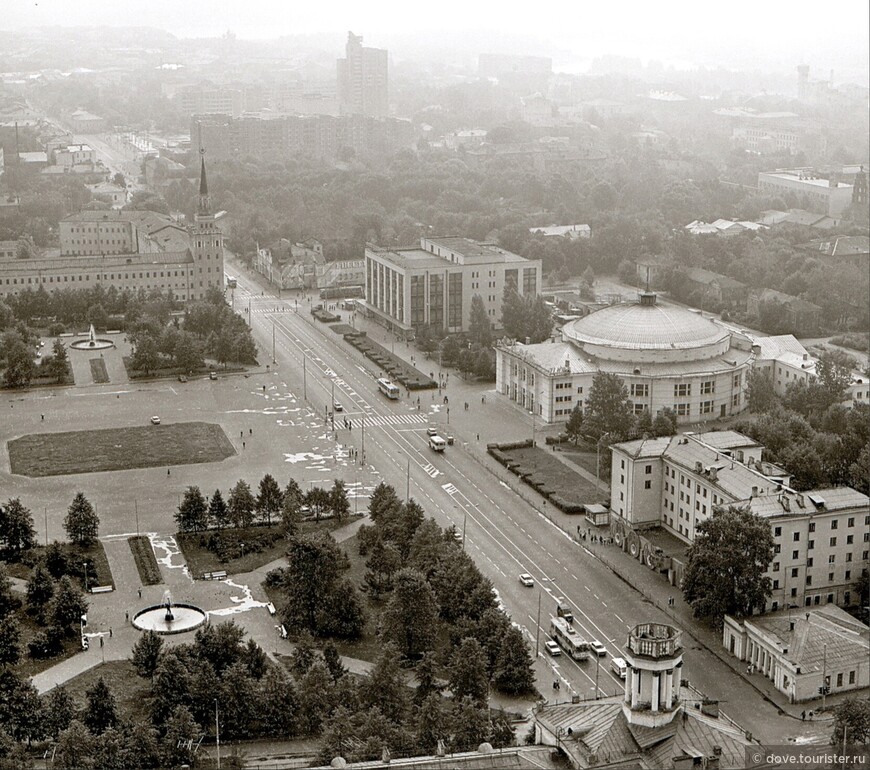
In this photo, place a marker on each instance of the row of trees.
(17, 360)
(242, 508)
(18, 535)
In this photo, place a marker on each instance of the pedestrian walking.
(126, 617)
(803, 716)
(168, 472)
(101, 641)
(110, 632)
(241, 433)
(42, 416)
(478, 437)
(251, 431)
(243, 445)
(140, 593)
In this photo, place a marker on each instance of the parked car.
(450, 439)
(619, 667)
(431, 431)
(554, 649)
(155, 420)
(212, 375)
(182, 378)
(598, 648)
(527, 580)
(338, 406)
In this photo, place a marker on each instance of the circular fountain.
(92, 342)
(169, 617)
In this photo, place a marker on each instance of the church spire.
(204, 204)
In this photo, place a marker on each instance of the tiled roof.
(645, 448)
(726, 439)
(696, 736)
(829, 636)
(552, 356)
(773, 347)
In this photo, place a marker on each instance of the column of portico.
(655, 691)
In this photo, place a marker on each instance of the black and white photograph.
(454, 386)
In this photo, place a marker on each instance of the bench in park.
(219, 575)
(102, 589)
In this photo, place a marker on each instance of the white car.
(155, 420)
(337, 406)
(598, 648)
(431, 431)
(527, 580)
(554, 649)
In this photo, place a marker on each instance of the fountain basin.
(186, 617)
(98, 343)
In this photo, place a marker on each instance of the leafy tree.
(303, 656)
(431, 723)
(255, 659)
(146, 356)
(383, 500)
(10, 641)
(315, 698)
(188, 352)
(68, 605)
(81, 523)
(310, 577)
(501, 731)
(56, 560)
(384, 561)
(278, 707)
(220, 645)
(242, 504)
(16, 528)
(410, 620)
(574, 426)
(332, 659)
(338, 502)
(58, 364)
(470, 723)
(8, 603)
(40, 589)
(665, 423)
(859, 472)
(75, 747)
(343, 614)
(384, 686)
(110, 750)
(146, 653)
(514, 672)
(726, 564)
(834, 369)
(608, 408)
(59, 710)
(218, 511)
(192, 513)
(468, 672)
(237, 698)
(427, 683)
(318, 500)
(170, 687)
(862, 587)
(513, 311)
(100, 713)
(142, 747)
(181, 734)
(19, 363)
(762, 394)
(270, 498)
(852, 716)
(97, 316)
(479, 326)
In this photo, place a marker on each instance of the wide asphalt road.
(504, 535)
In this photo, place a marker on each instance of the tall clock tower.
(208, 243)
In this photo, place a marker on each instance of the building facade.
(363, 82)
(802, 652)
(821, 537)
(128, 250)
(433, 284)
(824, 196)
(667, 356)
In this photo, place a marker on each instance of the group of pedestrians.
(593, 538)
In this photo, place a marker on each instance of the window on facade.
(794, 572)
(681, 409)
(683, 389)
(708, 386)
(640, 389)
(833, 542)
(812, 526)
(796, 537)
(647, 484)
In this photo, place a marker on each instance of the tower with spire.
(208, 244)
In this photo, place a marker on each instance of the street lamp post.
(538, 626)
(597, 667)
(86, 576)
(217, 732)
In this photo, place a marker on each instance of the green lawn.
(262, 544)
(118, 449)
(540, 470)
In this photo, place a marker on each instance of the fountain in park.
(169, 617)
(92, 342)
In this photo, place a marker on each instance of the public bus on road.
(389, 389)
(230, 281)
(568, 639)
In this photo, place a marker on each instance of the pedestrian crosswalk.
(431, 470)
(379, 421)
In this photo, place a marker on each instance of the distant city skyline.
(775, 34)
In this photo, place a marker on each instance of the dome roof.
(645, 326)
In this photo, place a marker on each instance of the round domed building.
(667, 356)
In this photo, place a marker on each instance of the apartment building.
(822, 536)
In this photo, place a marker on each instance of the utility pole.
(362, 454)
(217, 732)
(273, 341)
(538, 626)
(597, 666)
(45, 511)
(464, 517)
(408, 480)
(304, 379)
(136, 508)
(824, 674)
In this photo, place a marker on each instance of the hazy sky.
(833, 33)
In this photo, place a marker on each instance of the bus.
(568, 639)
(386, 387)
(230, 281)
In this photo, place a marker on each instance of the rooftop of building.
(773, 347)
(473, 252)
(600, 728)
(726, 439)
(805, 178)
(822, 637)
(840, 246)
(54, 263)
(561, 229)
(816, 501)
(795, 303)
(645, 326)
